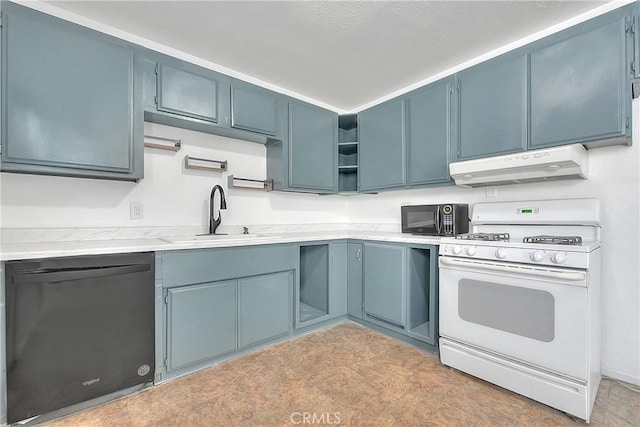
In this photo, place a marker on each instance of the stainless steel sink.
(215, 237)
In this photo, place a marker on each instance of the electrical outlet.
(135, 210)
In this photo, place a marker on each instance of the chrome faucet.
(215, 223)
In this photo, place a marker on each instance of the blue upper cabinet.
(253, 108)
(636, 39)
(382, 146)
(492, 107)
(429, 137)
(187, 91)
(69, 105)
(180, 94)
(313, 135)
(579, 84)
(177, 93)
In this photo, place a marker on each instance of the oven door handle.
(572, 276)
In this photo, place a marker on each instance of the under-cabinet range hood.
(550, 164)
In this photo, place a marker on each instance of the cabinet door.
(312, 147)
(382, 146)
(253, 109)
(354, 279)
(429, 133)
(578, 86)
(492, 107)
(188, 91)
(264, 304)
(384, 283)
(201, 323)
(68, 104)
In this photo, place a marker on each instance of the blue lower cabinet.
(201, 323)
(322, 283)
(385, 283)
(264, 305)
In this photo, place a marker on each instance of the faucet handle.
(245, 230)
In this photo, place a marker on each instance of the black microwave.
(435, 220)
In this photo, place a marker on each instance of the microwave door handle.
(438, 220)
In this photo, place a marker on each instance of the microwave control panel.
(447, 220)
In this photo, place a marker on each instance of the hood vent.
(551, 164)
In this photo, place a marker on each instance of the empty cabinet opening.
(419, 284)
(314, 282)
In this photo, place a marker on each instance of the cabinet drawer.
(205, 265)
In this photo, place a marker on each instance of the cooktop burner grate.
(554, 240)
(488, 237)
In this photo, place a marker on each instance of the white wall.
(171, 195)
(614, 178)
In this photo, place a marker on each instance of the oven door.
(533, 314)
(421, 219)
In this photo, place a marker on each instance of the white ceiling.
(343, 54)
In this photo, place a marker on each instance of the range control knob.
(501, 253)
(471, 250)
(457, 250)
(559, 257)
(537, 256)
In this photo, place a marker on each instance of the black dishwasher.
(77, 328)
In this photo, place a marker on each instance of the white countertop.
(32, 250)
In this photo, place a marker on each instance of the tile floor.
(346, 375)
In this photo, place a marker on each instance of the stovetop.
(586, 245)
(537, 239)
(553, 240)
(548, 233)
(487, 237)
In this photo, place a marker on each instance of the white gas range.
(520, 300)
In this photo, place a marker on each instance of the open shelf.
(348, 179)
(348, 128)
(348, 153)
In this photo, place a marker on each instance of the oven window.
(521, 311)
(421, 219)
